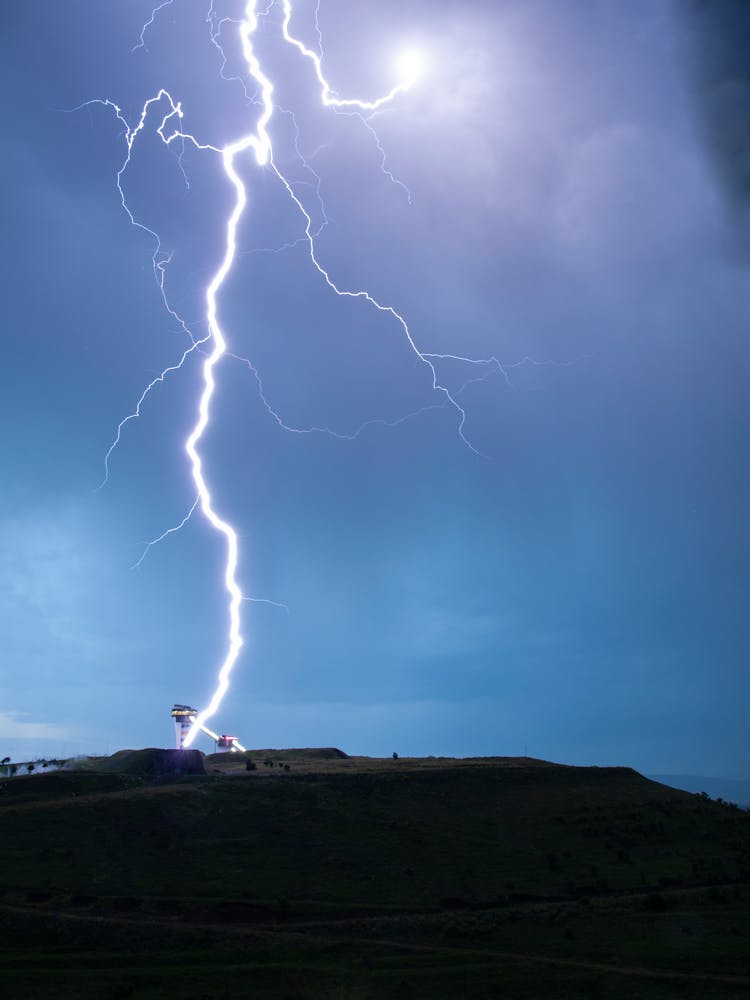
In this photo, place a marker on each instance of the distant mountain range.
(725, 788)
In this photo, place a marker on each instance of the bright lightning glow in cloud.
(214, 345)
(410, 64)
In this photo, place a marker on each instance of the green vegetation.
(324, 875)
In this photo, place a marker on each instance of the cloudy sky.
(561, 193)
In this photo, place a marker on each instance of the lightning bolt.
(214, 345)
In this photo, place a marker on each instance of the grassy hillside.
(317, 874)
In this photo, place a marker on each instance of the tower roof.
(179, 711)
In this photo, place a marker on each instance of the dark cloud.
(719, 33)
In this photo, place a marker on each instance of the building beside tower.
(183, 716)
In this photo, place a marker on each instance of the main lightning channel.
(260, 143)
(214, 345)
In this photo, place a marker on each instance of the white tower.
(183, 716)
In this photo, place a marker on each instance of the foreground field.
(318, 875)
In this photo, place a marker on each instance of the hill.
(718, 788)
(151, 761)
(324, 875)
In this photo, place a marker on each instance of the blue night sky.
(577, 585)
